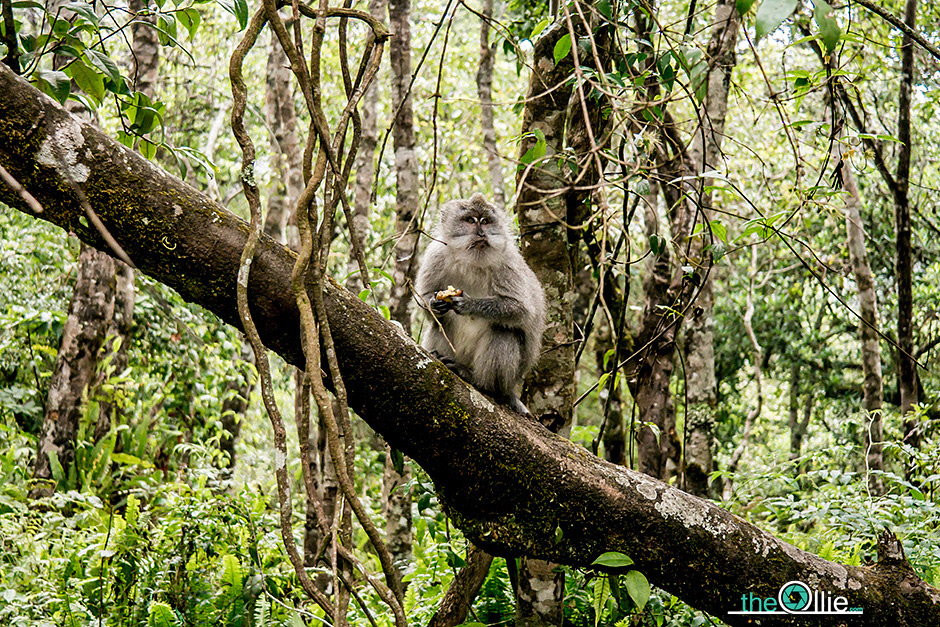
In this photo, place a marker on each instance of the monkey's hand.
(443, 301)
(441, 307)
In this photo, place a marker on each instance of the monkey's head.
(475, 225)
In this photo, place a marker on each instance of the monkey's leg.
(518, 406)
(496, 368)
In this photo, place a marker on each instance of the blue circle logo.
(794, 596)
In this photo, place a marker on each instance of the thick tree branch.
(507, 482)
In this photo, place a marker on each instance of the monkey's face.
(475, 226)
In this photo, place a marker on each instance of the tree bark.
(406, 164)
(506, 481)
(285, 145)
(90, 310)
(872, 385)
(485, 93)
(902, 218)
(549, 389)
(701, 388)
(398, 502)
(145, 49)
(463, 589)
(365, 164)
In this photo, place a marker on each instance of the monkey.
(489, 330)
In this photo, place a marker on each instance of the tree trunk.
(701, 388)
(485, 92)
(285, 145)
(365, 164)
(507, 483)
(902, 218)
(872, 388)
(549, 389)
(398, 503)
(145, 48)
(406, 164)
(90, 311)
(466, 585)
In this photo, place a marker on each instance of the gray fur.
(491, 335)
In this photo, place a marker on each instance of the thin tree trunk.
(872, 385)
(398, 503)
(798, 425)
(90, 311)
(701, 388)
(145, 51)
(365, 164)
(485, 92)
(463, 589)
(406, 164)
(615, 439)
(650, 373)
(902, 215)
(285, 144)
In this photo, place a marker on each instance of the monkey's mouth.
(480, 242)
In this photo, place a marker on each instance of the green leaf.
(829, 31)
(601, 596)
(231, 576)
(771, 14)
(103, 63)
(613, 559)
(539, 28)
(55, 467)
(85, 10)
(161, 615)
(147, 148)
(719, 230)
(166, 30)
(87, 79)
(743, 6)
(604, 8)
(637, 587)
(130, 460)
(657, 244)
(241, 12)
(562, 48)
(54, 83)
(189, 19)
(537, 151)
(398, 460)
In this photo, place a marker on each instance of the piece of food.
(448, 294)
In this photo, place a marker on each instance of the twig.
(17, 187)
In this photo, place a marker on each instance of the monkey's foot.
(518, 406)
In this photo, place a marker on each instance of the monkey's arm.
(497, 309)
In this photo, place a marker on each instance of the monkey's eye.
(469, 219)
(485, 220)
